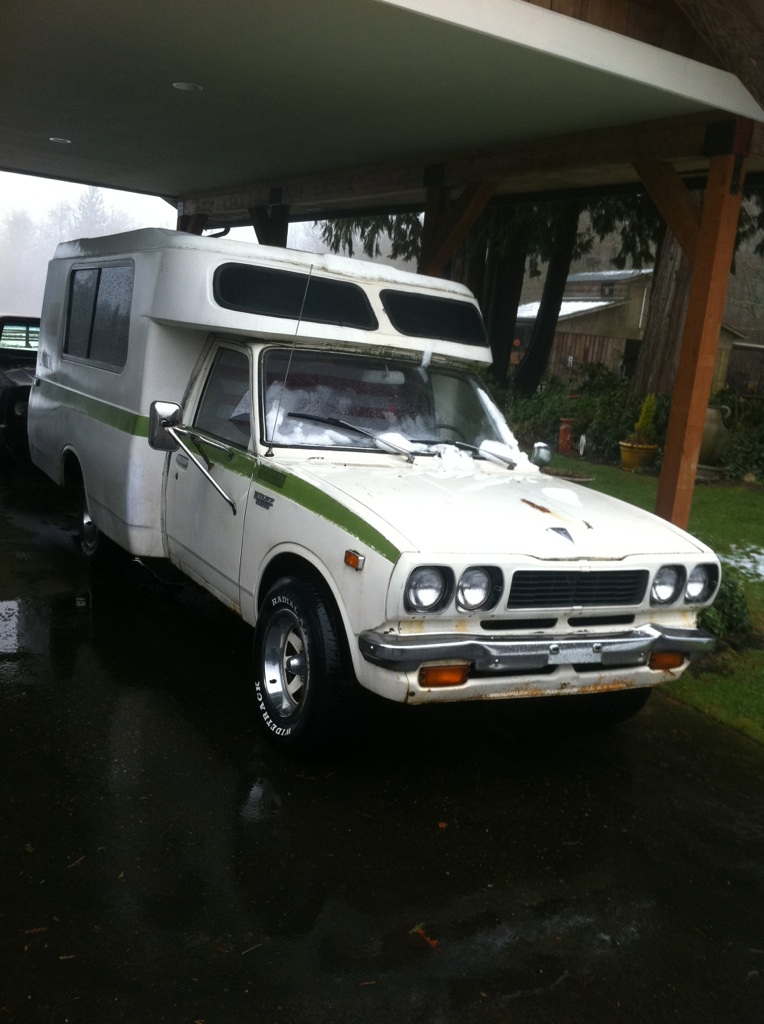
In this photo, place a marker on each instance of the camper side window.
(98, 320)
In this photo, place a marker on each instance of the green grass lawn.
(729, 684)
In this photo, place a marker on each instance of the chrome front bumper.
(496, 655)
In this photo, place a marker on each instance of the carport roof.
(340, 104)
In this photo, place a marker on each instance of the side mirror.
(541, 454)
(162, 416)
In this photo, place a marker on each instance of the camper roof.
(148, 239)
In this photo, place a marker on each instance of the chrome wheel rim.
(284, 664)
(88, 529)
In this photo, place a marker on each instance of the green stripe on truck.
(292, 487)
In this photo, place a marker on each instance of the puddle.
(262, 802)
(9, 627)
(750, 562)
(24, 629)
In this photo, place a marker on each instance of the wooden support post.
(271, 224)
(194, 224)
(435, 211)
(708, 290)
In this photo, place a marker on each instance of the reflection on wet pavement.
(160, 862)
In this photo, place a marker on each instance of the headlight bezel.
(710, 586)
(446, 589)
(449, 593)
(494, 585)
(677, 587)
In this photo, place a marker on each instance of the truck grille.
(561, 589)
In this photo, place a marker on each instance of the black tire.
(303, 689)
(601, 710)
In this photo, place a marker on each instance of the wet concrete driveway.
(160, 862)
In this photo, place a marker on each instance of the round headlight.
(698, 584)
(426, 588)
(666, 584)
(474, 588)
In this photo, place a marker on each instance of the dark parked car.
(19, 336)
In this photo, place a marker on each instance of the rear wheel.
(96, 548)
(303, 689)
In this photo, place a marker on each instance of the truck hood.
(441, 506)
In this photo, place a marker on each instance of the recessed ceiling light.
(187, 86)
(61, 141)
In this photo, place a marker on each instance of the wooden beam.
(314, 194)
(708, 291)
(674, 201)
(452, 227)
(577, 160)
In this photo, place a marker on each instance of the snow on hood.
(456, 504)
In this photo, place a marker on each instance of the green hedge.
(604, 407)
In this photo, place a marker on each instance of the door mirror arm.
(165, 435)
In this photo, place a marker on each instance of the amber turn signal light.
(663, 661)
(444, 675)
(354, 560)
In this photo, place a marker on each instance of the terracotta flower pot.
(635, 456)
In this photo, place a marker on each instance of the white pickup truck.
(305, 437)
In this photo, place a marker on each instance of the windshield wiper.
(382, 441)
(463, 445)
(490, 455)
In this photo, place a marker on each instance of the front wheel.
(302, 687)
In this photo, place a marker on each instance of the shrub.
(537, 418)
(644, 429)
(729, 615)
(605, 409)
(601, 404)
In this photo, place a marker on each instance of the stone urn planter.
(715, 436)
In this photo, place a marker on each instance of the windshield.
(342, 400)
(19, 334)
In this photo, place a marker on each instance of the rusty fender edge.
(493, 654)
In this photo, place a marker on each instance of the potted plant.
(639, 448)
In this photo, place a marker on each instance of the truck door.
(204, 533)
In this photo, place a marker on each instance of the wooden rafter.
(441, 239)
(675, 202)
